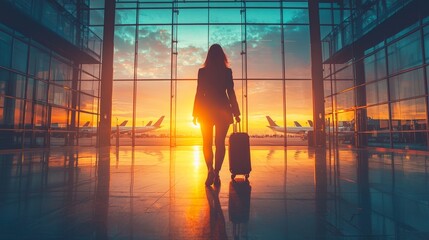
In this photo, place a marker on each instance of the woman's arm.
(231, 94)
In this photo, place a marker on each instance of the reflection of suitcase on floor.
(239, 154)
(239, 206)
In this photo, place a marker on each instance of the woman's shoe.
(216, 180)
(210, 178)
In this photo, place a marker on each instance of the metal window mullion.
(388, 94)
(173, 74)
(136, 57)
(283, 76)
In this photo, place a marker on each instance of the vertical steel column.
(104, 130)
(425, 76)
(136, 59)
(361, 111)
(74, 121)
(283, 75)
(244, 100)
(317, 74)
(173, 72)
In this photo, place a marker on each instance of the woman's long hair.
(216, 58)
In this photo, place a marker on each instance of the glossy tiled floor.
(159, 193)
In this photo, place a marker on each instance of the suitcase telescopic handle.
(234, 127)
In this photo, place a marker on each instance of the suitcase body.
(239, 154)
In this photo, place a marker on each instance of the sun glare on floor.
(197, 159)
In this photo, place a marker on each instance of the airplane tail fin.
(158, 123)
(297, 124)
(310, 123)
(271, 122)
(86, 124)
(124, 123)
(149, 123)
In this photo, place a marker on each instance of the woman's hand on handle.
(237, 119)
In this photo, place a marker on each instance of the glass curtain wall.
(379, 97)
(160, 45)
(36, 94)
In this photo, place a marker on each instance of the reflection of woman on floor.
(214, 106)
(217, 220)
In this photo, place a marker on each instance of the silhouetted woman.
(214, 106)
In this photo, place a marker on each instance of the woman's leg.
(221, 131)
(207, 132)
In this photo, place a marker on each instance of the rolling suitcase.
(239, 153)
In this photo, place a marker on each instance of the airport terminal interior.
(97, 139)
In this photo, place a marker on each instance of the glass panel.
(39, 63)
(87, 129)
(405, 53)
(122, 108)
(123, 60)
(344, 100)
(264, 58)
(295, 16)
(59, 96)
(299, 104)
(16, 85)
(263, 15)
(375, 66)
(40, 116)
(192, 50)
(19, 56)
(5, 49)
(407, 85)
(96, 17)
(376, 92)
(28, 115)
(89, 103)
(377, 118)
(345, 127)
(10, 139)
(30, 89)
(153, 104)
(11, 112)
(409, 115)
(41, 91)
(261, 104)
(156, 16)
(125, 16)
(229, 16)
(4, 80)
(297, 52)
(377, 139)
(58, 118)
(193, 16)
(154, 51)
(2, 110)
(410, 140)
(58, 138)
(61, 73)
(426, 33)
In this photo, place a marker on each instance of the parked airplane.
(139, 130)
(87, 131)
(297, 129)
